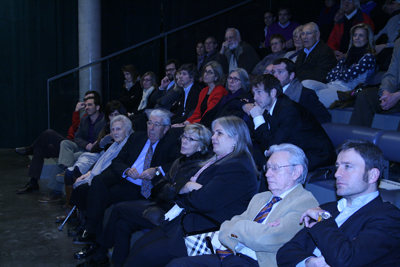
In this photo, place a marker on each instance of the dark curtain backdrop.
(40, 40)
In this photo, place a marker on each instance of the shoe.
(77, 231)
(60, 219)
(29, 188)
(85, 238)
(91, 263)
(60, 177)
(27, 150)
(50, 197)
(86, 251)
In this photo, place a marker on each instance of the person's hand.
(256, 111)
(148, 174)
(247, 107)
(177, 125)
(379, 48)
(389, 100)
(339, 15)
(164, 82)
(224, 46)
(189, 187)
(289, 44)
(79, 106)
(316, 262)
(310, 214)
(106, 140)
(133, 173)
(83, 177)
(275, 223)
(339, 55)
(89, 146)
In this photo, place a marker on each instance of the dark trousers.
(213, 260)
(155, 249)
(125, 219)
(367, 105)
(107, 189)
(47, 145)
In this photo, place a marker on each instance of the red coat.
(338, 29)
(216, 94)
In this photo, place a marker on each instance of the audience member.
(277, 42)
(384, 99)
(131, 88)
(213, 54)
(367, 6)
(326, 17)
(238, 53)
(210, 95)
(358, 230)
(271, 219)
(348, 16)
(131, 216)
(47, 145)
(222, 188)
(355, 68)
(298, 44)
(143, 160)
(187, 100)
(284, 26)
(201, 54)
(269, 19)
(316, 59)
(239, 88)
(148, 83)
(277, 120)
(285, 72)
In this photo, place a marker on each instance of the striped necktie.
(146, 184)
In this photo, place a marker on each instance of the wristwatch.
(158, 172)
(322, 216)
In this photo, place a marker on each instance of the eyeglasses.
(233, 79)
(170, 70)
(147, 80)
(306, 33)
(276, 168)
(272, 72)
(207, 43)
(209, 72)
(155, 124)
(190, 139)
(276, 43)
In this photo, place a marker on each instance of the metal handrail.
(165, 35)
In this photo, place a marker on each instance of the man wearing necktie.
(271, 219)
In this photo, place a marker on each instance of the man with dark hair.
(212, 54)
(283, 26)
(238, 53)
(160, 96)
(277, 42)
(285, 71)
(277, 120)
(358, 230)
(187, 100)
(317, 58)
(47, 145)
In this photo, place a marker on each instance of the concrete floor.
(28, 235)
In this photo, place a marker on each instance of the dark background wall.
(40, 40)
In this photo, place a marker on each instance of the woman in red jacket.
(213, 76)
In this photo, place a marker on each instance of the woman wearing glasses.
(355, 68)
(221, 189)
(239, 88)
(213, 76)
(131, 216)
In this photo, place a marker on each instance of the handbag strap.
(186, 233)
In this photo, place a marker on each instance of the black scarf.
(354, 55)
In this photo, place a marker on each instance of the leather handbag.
(204, 241)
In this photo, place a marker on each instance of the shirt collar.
(309, 51)
(284, 26)
(358, 202)
(351, 14)
(272, 108)
(284, 194)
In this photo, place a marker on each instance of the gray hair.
(356, 2)
(166, 120)
(202, 133)
(313, 24)
(126, 122)
(233, 29)
(244, 78)
(297, 157)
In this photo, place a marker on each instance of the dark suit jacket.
(316, 66)
(292, 123)
(166, 152)
(216, 56)
(370, 237)
(181, 112)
